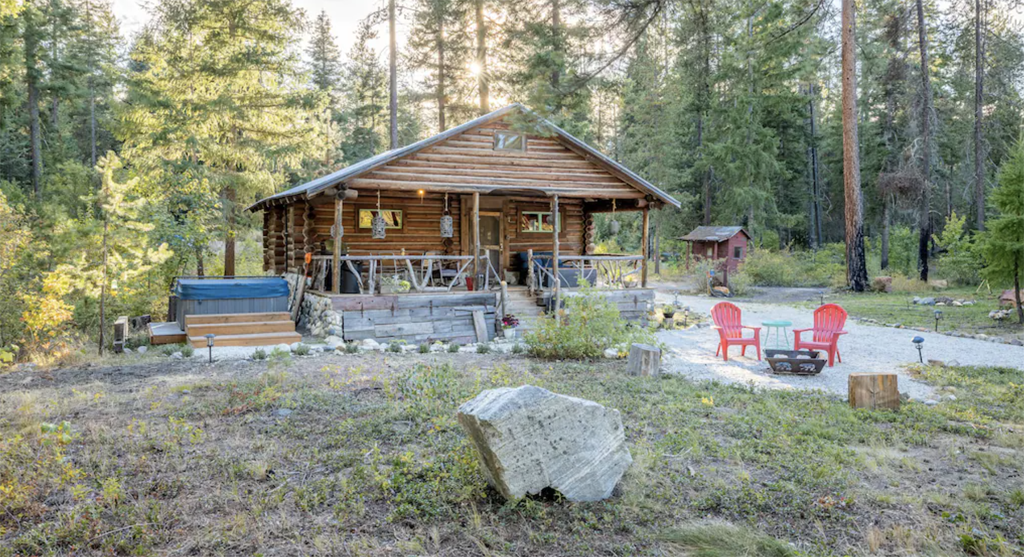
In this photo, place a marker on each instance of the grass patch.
(368, 452)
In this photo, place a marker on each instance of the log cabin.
(423, 242)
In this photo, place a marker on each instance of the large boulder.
(529, 439)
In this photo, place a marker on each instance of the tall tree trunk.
(229, 235)
(816, 239)
(32, 75)
(856, 265)
(92, 124)
(200, 268)
(392, 75)
(924, 218)
(440, 78)
(1016, 291)
(886, 224)
(979, 90)
(103, 288)
(556, 35)
(481, 58)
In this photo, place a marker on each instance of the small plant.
(394, 285)
(187, 351)
(424, 349)
(454, 347)
(395, 346)
(259, 354)
(509, 321)
(169, 349)
(483, 348)
(302, 350)
(518, 348)
(668, 311)
(351, 348)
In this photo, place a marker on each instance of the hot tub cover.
(223, 289)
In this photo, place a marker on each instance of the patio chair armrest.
(803, 330)
(751, 328)
(837, 333)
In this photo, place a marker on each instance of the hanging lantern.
(614, 225)
(447, 223)
(378, 226)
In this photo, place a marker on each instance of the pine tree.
(365, 96)
(440, 45)
(218, 88)
(1003, 246)
(324, 58)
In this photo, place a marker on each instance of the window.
(711, 251)
(508, 141)
(737, 252)
(392, 217)
(537, 221)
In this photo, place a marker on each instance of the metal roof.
(714, 233)
(313, 187)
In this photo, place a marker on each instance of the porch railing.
(425, 273)
(602, 271)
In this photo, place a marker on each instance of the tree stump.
(644, 359)
(874, 391)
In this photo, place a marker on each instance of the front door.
(490, 240)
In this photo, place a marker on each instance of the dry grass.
(361, 455)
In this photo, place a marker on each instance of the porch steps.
(525, 308)
(241, 329)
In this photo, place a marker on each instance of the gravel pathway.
(866, 348)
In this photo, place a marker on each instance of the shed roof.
(713, 233)
(313, 187)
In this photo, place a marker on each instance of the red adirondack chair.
(829, 321)
(730, 330)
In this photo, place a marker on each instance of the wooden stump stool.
(874, 391)
(644, 359)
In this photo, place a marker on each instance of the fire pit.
(795, 362)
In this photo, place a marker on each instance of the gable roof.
(714, 233)
(314, 187)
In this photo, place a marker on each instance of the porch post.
(336, 263)
(645, 241)
(476, 238)
(554, 253)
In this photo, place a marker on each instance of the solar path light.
(209, 344)
(919, 344)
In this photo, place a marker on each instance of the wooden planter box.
(795, 362)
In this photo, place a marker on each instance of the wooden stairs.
(526, 308)
(241, 329)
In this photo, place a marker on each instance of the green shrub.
(518, 348)
(960, 262)
(424, 349)
(259, 354)
(454, 347)
(395, 346)
(187, 350)
(301, 350)
(169, 349)
(351, 347)
(589, 324)
(483, 348)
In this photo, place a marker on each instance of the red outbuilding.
(727, 244)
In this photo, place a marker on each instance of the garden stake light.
(209, 344)
(919, 343)
(938, 316)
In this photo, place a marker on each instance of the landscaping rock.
(611, 353)
(529, 439)
(143, 349)
(177, 356)
(284, 347)
(925, 301)
(370, 344)
(334, 342)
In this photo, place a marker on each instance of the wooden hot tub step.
(196, 319)
(260, 339)
(247, 328)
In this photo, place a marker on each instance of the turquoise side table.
(781, 333)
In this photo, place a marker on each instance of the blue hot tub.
(215, 296)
